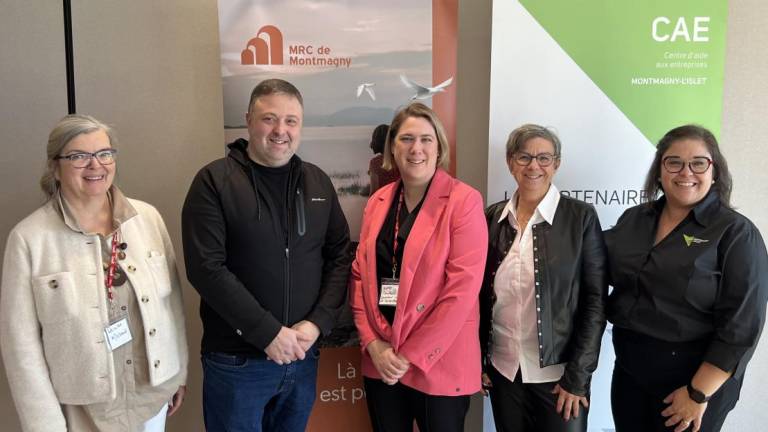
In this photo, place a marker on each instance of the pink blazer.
(436, 321)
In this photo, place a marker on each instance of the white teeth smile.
(279, 141)
(533, 177)
(94, 178)
(685, 184)
(416, 162)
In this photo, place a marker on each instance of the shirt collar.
(122, 210)
(702, 213)
(546, 208)
(706, 210)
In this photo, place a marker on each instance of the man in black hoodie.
(266, 246)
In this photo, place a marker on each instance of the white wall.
(745, 145)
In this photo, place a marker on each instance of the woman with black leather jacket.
(543, 295)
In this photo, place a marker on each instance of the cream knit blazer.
(53, 312)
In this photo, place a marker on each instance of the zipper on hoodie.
(287, 290)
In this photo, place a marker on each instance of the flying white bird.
(425, 92)
(368, 87)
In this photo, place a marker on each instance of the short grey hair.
(526, 132)
(67, 129)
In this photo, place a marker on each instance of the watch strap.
(697, 395)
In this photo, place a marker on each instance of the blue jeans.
(247, 394)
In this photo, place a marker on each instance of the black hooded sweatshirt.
(255, 270)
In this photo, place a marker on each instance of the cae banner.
(610, 77)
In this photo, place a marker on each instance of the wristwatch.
(696, 395)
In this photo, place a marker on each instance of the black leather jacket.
(571, 292)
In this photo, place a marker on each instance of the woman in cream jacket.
(91, 317)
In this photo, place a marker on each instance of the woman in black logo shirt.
(690, 278)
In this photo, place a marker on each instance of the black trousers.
(647, 370)
(393, 408)
(522, 407)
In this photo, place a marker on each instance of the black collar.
(703, 213)
(238, 150)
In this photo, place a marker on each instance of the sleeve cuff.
(323, 320)
(726, 357)
(423, 362)
(572, 383)
(263, 334)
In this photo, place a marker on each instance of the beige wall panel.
(151, 69)
(745, 145)
(472, 106)
(473, 99)
(33, 97)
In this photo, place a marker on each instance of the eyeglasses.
(697, 165)
(525, 159)
(83, 159)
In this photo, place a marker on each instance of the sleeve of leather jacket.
(589, 322)
(486, 290)
(336, 262)
(204, 233)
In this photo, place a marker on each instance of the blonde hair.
(419, 110)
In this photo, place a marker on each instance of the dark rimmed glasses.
(83, 159)
(697, 165)
(525, 159)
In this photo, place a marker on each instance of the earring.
(713, 182)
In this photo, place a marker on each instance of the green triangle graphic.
(688, 239)
(613, 42)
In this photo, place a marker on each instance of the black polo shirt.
(707, 279)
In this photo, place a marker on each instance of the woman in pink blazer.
(415, 284)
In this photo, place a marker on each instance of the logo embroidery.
(689, 240)
(318, 199)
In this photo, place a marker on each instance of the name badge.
(389, 288)
(117, 334)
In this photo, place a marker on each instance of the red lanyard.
(397, 229)
(112, 265)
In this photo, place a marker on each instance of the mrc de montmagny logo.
(266, 48)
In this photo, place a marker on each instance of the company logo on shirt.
(689, 240)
